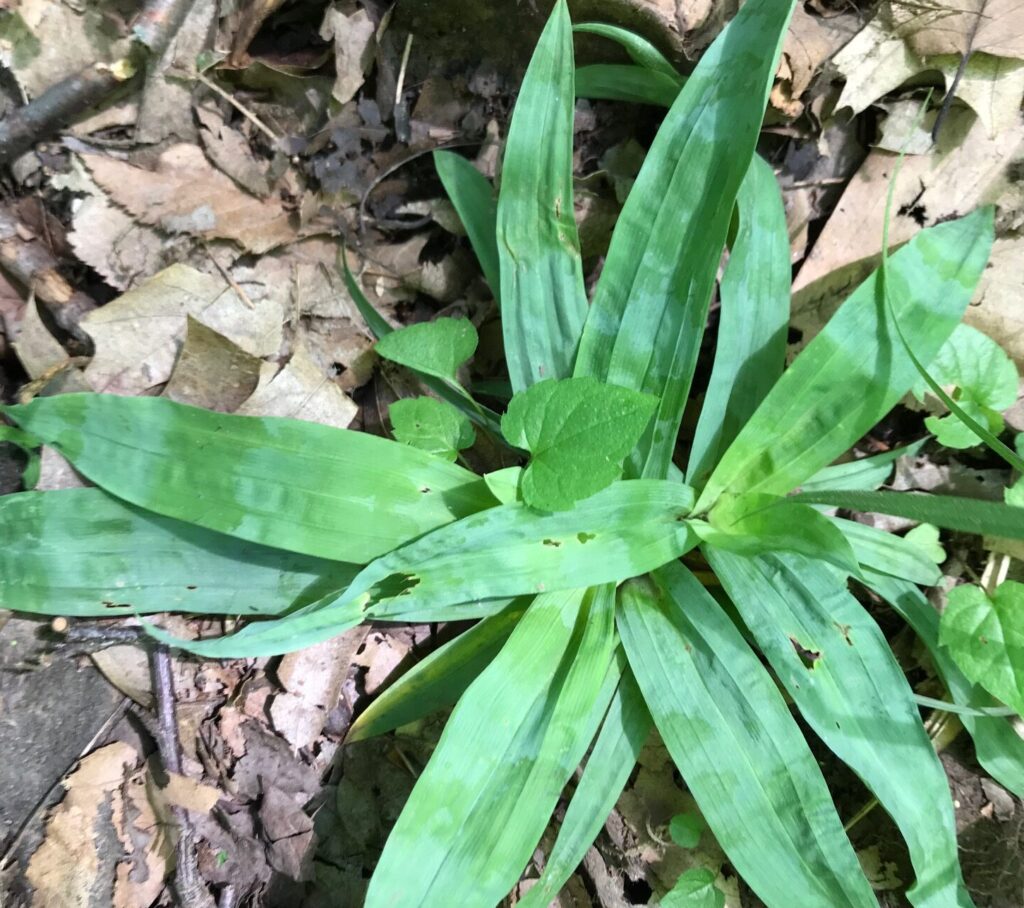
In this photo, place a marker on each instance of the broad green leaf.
(82, 552)
(865, 474)
(640, 50)
(439, 679)
(738, 748)
(473, 197)
(985, 636)
(982, 379)
(888, 553)
(293, 485)
(854, 371)
(578, 432)
(543, 301)
(504, 484)
(475, 565)
(1014, 495)
(644, 327)
(968, 515)
(626, 727)
(686, 829)
(926, 537)
(760, 524)
(1000, 750)
(624, 82)
(434, 348)
(485, 798)
(695, 888)
(432, 426)
(754, 315)
(836, 664)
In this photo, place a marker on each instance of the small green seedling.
(587, 569)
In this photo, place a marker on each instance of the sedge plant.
(591, 627)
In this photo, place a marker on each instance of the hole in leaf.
(191, 586)
(586, 537)
(552, 542)
(809, 657)
(425, 490)
(393, 585)
(844, 629)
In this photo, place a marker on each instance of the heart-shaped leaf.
(431, 425)
(435, 348)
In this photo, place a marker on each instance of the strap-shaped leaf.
(751, 347)
(738, 748)
(1000, 750)
(625, 82)
(968, 515)
(82, 552)
(543, 301)
(473, 197)
(643, 330)
(888, 553)
(440, 678)
(293, 485)
(625, 729)
(856, 369)
(640, 50)
(865, 474)
(484, 799)
(837, 666)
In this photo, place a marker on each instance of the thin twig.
(951, 92)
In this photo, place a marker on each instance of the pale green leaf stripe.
(625, 82)
(82, 552)
(473, 197)
(484, 799)
(439, 679)
(738, 748)
(967, 515)
(644, 328)
(640, 50)
(625, 729)
(999, 748)
(856, 698)
(543, 301)
(856, 370)
(865, 474)
(285, 483)
(755, 295)
(888, 553)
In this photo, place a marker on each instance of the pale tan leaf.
(127, 668)
(37, 349)
(182, 791)
(211, 371)
(353, 38)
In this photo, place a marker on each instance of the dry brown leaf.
(945, 26)
(127, 668)
(56, 472)
(147, 837)
(182, 791)
(381, 655)
(810, 42)
(230, 151)
(289, 831)
(38, 350)
(354, 46)
(138, 334)
(997, 308)
(211, 371)
(186, 194)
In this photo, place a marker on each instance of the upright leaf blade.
(485, 797)
(543, 301)
(643, 330)
(837, 666)
(856, 369)
(740, 752)
(293, 485)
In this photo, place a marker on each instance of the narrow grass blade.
(473, 197)
(865, 474)
(625, 729)
(640, 50)
(660, 269)
(738, 748)
(856, 370)
(484, 799)
(82, 552)
(1000, 750)
(837, 666)
(625, 82)
(968, 515)
(293, 485)
(888, 553)
(751, 349)
(543, 301)
(439, 680)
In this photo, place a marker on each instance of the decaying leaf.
(958, 26)
(211, 371)
(229, 150)
(353, 49)
(127, 668)
(37, 349)
(996, 308)
(810, 42)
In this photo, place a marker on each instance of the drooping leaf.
(838, 667)
(578, 432)
(865, 474)
(625, 728)
(439, 679)
(897, 556)
(759, 524)
(644, 327)
(754, 315)
(738, 748)
(82, 552)
(625, 82)
(695, 888)
(432, 426)
(543, 301)
(293, 485)
(434, 348)
(473, 197)
(854, 371)
(640, 50)
(985, 636)
(484, 799)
